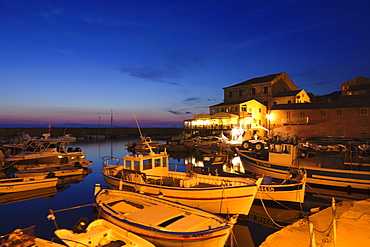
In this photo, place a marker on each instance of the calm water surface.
(27, 209)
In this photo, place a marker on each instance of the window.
(214, 110)
(234, 109)
(224, 109)
(339, 112)
(244, 108)
(265, 90)
(323, 113)
(289, 101)
(147, 164)
(339, 130)
(363, 111)
(253, 91)
(164, 162)
(157, 162)
(260, 110)
(240, 93)
(230, 94)
(364, 132)
(275, 102)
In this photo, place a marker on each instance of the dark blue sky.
(76, 61)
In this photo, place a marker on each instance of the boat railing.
(194, 178)
(109, 160)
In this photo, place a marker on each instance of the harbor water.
(26, 209)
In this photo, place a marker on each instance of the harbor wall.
(92, 133)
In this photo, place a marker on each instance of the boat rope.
(233, 238)
(267, 213)
(317, 193)
(222, 198)
(65, 209)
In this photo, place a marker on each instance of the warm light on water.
(32, 208)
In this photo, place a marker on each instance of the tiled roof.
(234, 102)
(256, 80)
(288, 93)
(324, 105)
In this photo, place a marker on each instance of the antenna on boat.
(65, 129)
(141, 135)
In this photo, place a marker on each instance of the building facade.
(343, 118)
(263, 89)
(274, 106)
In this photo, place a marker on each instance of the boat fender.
(246, 145)
(259, 146)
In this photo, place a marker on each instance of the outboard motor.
(81, 225)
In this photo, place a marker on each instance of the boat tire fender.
(259, 146)
(246, 145)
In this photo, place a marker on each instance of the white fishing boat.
(290, 189)
(10, 185)
(58, 171)
(278, 157)
(100, 232)
(149, 174)
(163, 222)
(46, 151)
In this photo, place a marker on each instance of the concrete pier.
(352, 220)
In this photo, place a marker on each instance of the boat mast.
(140, 133)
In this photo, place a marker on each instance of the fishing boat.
(26, 237)
(290, 189)
(10, 185)
(45, 151)
(277, 158)
(163, 222)
(149, 173)
(72, 169)
(27, 195)
(100, 232)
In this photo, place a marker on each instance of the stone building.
(347, 117)
(273, 105)
(246, 106)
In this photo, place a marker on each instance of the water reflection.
(22, 210)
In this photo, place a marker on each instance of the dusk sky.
(75, 62)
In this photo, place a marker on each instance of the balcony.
(295, 120)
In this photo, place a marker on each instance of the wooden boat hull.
(294, 192)
(26, 158)
(159, 236)
(315, 174)
(236, 199)
(17, 185)
(61, 172)
(27, 195)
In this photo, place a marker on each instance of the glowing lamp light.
(269, 116)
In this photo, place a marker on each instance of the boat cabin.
(152, 164)
(283, 153)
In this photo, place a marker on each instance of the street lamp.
(269, 117)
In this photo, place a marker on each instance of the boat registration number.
(265, 188)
